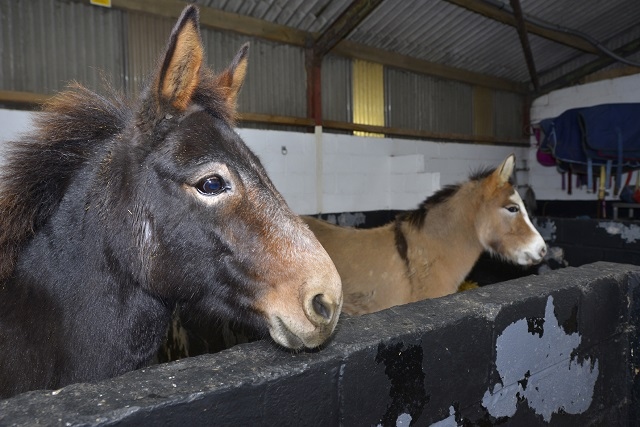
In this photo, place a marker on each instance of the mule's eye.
(513, 209)
(212, 186)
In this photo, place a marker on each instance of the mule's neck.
(77, 309)
(444, 250)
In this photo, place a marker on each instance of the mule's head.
(213, 232)
(502, 222)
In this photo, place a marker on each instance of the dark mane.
(40, 165)
(481, 173)
(417, 216)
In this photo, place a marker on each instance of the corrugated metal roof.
(444, 33)
(307, 15)
(44, 44)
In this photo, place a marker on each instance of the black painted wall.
(564, 344)
(588, 240)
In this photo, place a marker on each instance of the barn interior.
(360, 110)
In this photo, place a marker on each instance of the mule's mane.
(417, 216)
(41, 164)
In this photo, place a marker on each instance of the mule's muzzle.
(543, 252)
(316, 319)
(535, 255)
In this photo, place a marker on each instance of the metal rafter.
(574, 76)
(524, 41)
(355, 13)
(489, 11)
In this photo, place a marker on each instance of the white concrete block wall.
(12, 123)
(546, 181)
(355, 173)
(453, 161)
(409, 163)
(290, 161)
(358, 173)
(363, 173)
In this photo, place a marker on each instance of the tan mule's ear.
(232, 78)
(178, 76)
(505, 170)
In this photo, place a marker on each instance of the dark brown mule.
(427, 253)
(112, 215)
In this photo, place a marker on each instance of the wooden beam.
(356, 50)
(28, 99)
(355, 13)
(500, 15)
(388, 131)
(274, 119)
(421, 134)
(574, 76)
(524, 41)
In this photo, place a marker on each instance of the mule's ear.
(179, 74)
(232, 78)
(505, 170)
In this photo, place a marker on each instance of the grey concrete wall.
(558, 349)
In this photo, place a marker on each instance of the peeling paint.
(403, 367)
(629, 233)
(546, 228)
(537, 366)
(450, 421)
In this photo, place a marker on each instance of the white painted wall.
(362, 173)
(546, 181)
(352, 173)
(12, 123)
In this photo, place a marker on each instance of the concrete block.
(421, 183)
(332, 202)
(403, 201)
(302, 204)
(300, 164)
(377, 146)
(403, 147)
(407, 164)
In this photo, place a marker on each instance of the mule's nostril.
(320, 307)
(543, 251)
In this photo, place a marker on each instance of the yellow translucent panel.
(368, 95)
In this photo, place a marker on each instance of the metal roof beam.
(355, 13)
(360, 51)
(574, 76)
(492, 12)
(524, 41)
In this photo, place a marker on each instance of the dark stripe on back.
(401, 241)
